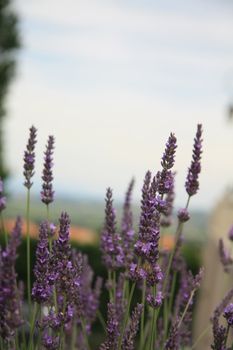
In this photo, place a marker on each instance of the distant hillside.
(90, 214)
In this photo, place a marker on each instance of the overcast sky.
(111, 80)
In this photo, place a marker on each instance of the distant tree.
(9, 43)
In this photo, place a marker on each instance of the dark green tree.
(9, 43)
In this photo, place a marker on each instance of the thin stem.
(28, 251)
(114, 285)
(153, 324)
(3, 229)
(110, 285)
(61, 346)
(32, 326)
(227, 333)
(101, 319)
(74, 335)
(126, 316)
(143, 315)
(85, 334)
(170, 304)
(200, 337)
(186, 308)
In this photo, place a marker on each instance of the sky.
(111, 79)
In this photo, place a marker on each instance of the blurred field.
(89, 214)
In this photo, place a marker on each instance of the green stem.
(4, 230)
(61, 345)
(186, 308)
(110, 285)
(32, 326)
(74, 335)
(126, 317)
(200, 337)
(143, 315)
(101, 319)
(170, 304)
(154, 318)
(85, 334)
(114, 285)
(28, 251)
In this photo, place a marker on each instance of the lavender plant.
(151, 290)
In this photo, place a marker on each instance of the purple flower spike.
(113, 256)
(131, 332)
(192, 183)
(228, 314)
(47, 193)
(10, 296)
(41, 290)
(127, 231)
(168, 157)
(112, 329)
(29, 158)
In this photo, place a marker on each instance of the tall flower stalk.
(29, 166)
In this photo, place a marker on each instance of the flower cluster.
(151, 290)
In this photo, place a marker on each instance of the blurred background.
(111, 80)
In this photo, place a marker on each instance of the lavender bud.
(225, 257)
(47, 193)
(29, 158)
(192, 183)
(228, 314)
(183, 215)
(155, 301)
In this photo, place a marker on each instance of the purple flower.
(111, 247)
(50, 342)
(173, 342)
(10, 295)
(29, 158)
(47, 193)
(228, 314)
(155, 301)
(168, 157)
(127, 231)
(166, 220)
(225, 257)
(192, 183)
(131, 331)
(113, 330)
(183, 215)
(41, 291)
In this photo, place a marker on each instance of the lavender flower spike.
(29, 158)
(10, 303)
(127, 231)
(47, 193)
(128, 342)
(168, 158)
(110, 240)
(41, 290)
(192, 183)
